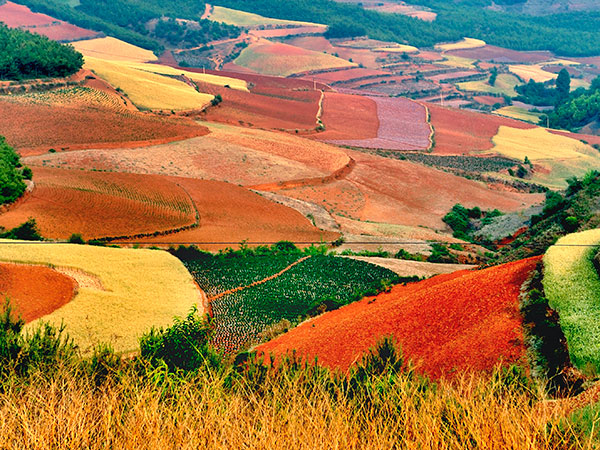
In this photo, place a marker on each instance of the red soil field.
(589, 138)
(453, 75)
(386, 190)
(283, 32)
(504, 55)
(447, 325)
(340, 76)
(230, 214)
(98, 204)
(19, 16)
(348, 117)
(34, 291)
(488, 100)
(429, 56)
(459, 132)
(277, 109)
(316, 43)
(402, 126)
(35, 127)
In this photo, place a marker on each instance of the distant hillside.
(545, 7)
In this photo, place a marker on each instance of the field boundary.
(428, 120)
(338, 175)
(257, 283)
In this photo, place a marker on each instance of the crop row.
(317, 284)
(466, 163)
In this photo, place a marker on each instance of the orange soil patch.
(283, 32)
(275, 109)
(230, 214)
(341, 76)
(19, 16)
(404, 193)
(488, 100)
(34, 291)
(459, 132)
(34, 126)
(98, 205)
(449, 324)
(502, 55)
(348, 117)
(316, 43)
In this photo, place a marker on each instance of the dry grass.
(292, 410)
(505, 84)
(246, 19)
(148, 90)
(399, 48)
(532, 72)
(514, 112)
(465, 44)
(113, 49)
(137, 289)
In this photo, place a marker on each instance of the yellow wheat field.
(113, 49)
(400, 48)
(465, 44)
(148, 90)
(532, 72)
(246, 19)
(217, 80)
(557, 157)
(122, 292)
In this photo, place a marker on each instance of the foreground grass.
(572, 287)
(291, 407)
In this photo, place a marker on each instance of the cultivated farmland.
(279, 59)
(249, 20)
(505, 85)
(122, 292)
(465, 44)
(572, 286)
(34, 291)
(241, 316)
(113, 50)
(102, 204)
(447, 325)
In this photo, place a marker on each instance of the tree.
(563, 84)
(493, 76)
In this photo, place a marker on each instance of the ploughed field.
(446, 325)
(241, 316)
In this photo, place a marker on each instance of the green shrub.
(27, 231)
(11, 179)
(76, 238)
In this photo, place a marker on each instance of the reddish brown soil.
(34, 128)
(19, 16)
(589, 138)
(401, 192)
(340, 76)
(97, 204)
(348, 117)
(449, 324)
(459, 132)
(488, 100)
(283, 32)
(504, 55)
(34, 291)
(230, 214)
(273, 109)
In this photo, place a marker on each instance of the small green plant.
(76, 238)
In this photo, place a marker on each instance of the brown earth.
(34, 291)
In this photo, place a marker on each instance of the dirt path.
(339, 174)
(256, 283)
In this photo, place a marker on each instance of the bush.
(11, 179)
(27, 173)
(184, 345)
(27, 231)
(76, 238)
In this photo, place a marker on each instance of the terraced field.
(249, 20)
(505, 85)
(114, 50)
(447, 325)
(465, 44)
(532, 72)
(503, 55)
(76, 118)
(572, 286)
(348, 117)
(558, 157)
(19, 16)
(34, 291)
(122, 293)
(279, 59)
(241, 316)
(402, 126)
(102, 204)
(514, 112)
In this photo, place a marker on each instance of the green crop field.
(572, 287)
(240, 317)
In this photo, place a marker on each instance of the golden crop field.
(465, 44)
(505, 84)
(572, 286)
(457, 61)
(279, 59)
(400, 48)
(245, 19)
(514, 112)
(233, 83)
(532, 72)
(122, 292)
(113, 49)
(148, 90)
(563, 157)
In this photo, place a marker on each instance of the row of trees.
(25, 55)
(12, 174)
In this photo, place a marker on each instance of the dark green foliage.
(41, 349)
(461, 163)
(563, 84)
(26, 55)
(184, 345)
(538, 94)
(441, 254)
(216, 100)
(27, 231)
(458, 220)
(577, 109)
(493, 76)
(189, 253)
(27, 173)
(76, 238)
(103, 365)
(11, 178)
(403, 254)
(384, 358)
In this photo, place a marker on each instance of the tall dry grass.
(288, 409)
